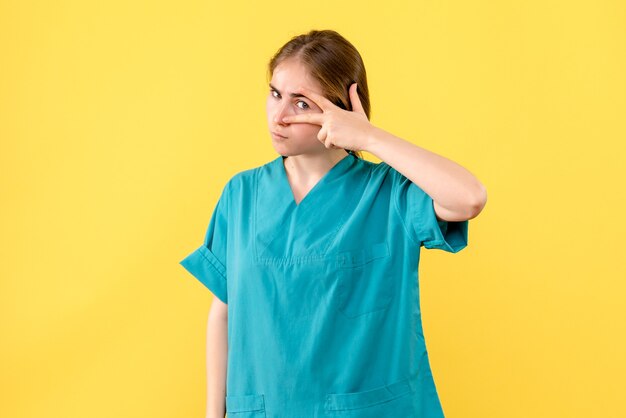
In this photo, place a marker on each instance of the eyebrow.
(291, 94)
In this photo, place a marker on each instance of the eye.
(305, 104)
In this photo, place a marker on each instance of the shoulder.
(244, 179)
(400, 184)
(376, 167)
(380, 171)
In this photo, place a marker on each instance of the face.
(300, 138)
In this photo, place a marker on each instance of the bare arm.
(216, 359)
(457, 195)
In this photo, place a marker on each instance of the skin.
(308, 159)
(457, 194)
(216, 359)
(317, 134)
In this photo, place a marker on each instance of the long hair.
(331, 60)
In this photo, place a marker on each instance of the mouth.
(275, 135)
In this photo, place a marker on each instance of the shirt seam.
(397, 210)
(218, 267)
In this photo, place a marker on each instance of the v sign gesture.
(340, 128)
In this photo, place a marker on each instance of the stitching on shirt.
(425, 232)
(341, 223)
(219, 267)
(334, 403)
(293, 260)
(395, 206)
(254, 209)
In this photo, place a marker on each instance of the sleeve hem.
(450, 236)
(210, 271)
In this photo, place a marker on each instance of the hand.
(340, 128)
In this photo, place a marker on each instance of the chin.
(292, 149)
(282, 150)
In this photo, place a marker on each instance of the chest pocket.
(365, 280)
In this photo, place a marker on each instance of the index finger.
(318, 99)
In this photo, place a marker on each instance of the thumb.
(354, 99)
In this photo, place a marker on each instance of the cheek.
(305, 129)
(271, 106)
(268, 106)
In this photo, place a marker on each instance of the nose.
(282, 110)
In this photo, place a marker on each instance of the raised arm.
(457, 195)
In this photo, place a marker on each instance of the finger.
(321, 135)
(316, 118)
(354, 99)
(318, 99)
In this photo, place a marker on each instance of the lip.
(274, 134)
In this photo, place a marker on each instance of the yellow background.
(121, 121)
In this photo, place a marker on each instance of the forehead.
(291, 74)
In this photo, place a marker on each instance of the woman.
(313, 257)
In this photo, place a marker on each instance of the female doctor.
(313, 257)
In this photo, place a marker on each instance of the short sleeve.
(208, 262)
(417, 212)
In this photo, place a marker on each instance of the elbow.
(478, 201)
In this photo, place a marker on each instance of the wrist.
(372, 140)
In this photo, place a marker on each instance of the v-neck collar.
(286, 232)
(336, 170)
